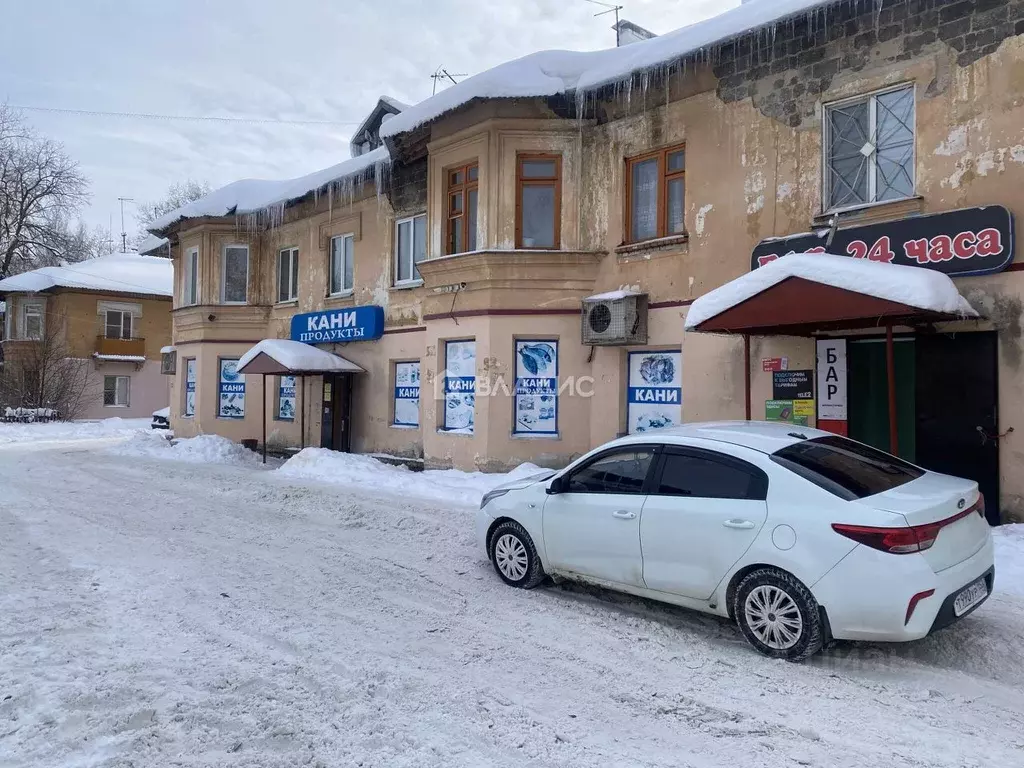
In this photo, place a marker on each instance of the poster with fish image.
(231, 391)
(407, 395)
(190, 388)
(536, 393)
(286, 398)
(655, 396)
(460, 386)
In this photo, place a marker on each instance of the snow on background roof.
(116, 273)
(297, 356)
(261, 195)
(549, 73)
(917, 287)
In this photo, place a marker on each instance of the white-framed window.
(234, 274)
(117, 324)
(341, 266)
(288, 274)
(190, 286)
(869, 149)
(410, 248)
(33, 320)
(116, 391)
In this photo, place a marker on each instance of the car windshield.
(846, 468)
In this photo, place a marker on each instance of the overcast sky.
(295, 60)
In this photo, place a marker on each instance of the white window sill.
(343, 295)
(289, 303)
(455, 433)
(117, 406)
(535, 436)
(406, 285)
(234, 303)
(404, 426)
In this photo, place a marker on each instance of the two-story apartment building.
(510, 261)
(85, 338)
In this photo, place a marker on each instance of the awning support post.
(746, 373)
(890, 365)
(264, 418)
(302, 417)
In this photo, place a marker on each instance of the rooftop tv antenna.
(443, 74)
(124, 235)
(609, 8)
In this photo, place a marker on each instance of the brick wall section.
(408, 188)
(785, 70)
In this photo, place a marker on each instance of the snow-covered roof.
(152, 243)
(385, 109)
(257, 195)
(116, 273)
(924, 289)
(298, 357)
(167, 350)
(549, 73)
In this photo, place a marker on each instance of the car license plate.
(970, 596)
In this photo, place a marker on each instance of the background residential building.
(553, 218)
(86, 338)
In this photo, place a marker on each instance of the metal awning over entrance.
(282, 357)
(807, 294)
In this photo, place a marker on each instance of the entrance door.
(957, 412)
(868, 388)
(335, 431)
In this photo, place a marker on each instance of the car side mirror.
(557, 486)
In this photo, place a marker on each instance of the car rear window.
(846, 468)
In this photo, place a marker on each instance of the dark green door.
(868, 388)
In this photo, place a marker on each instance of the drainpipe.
(890, 365)
(746, 372)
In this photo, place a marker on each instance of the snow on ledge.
(120, 358)
(167, 350)
(917, 287)
(612, 295)
(549, 73)
(298, 357)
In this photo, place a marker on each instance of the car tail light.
(914, 601)
(906, 540)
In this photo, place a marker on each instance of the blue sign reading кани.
(669, 395)
(364, 323)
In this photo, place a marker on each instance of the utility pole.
(610, 9)
(124, 234)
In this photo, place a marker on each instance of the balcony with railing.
(120, 347)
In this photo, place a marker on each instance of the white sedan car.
(799, 535)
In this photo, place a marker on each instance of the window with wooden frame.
(538, 201)
(461, 189)
(287, 274)
(656, 194)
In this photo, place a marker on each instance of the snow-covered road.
(156, 613)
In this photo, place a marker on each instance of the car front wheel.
(515, 557)
(778, 615)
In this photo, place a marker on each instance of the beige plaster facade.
(749, 176)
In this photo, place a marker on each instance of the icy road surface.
(158, 613)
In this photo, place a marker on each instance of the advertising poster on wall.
(286, 398)
(231, 401)
(460, 386)
(536, 396)
(655, 397)
(832, 380)
(190, 388)
(407, 394)
(796, 412)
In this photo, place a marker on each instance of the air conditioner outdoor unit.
(615, 318)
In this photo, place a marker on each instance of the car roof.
(764, 436)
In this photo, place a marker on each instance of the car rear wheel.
(778, 615)
(515, 557)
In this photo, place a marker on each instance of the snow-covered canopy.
(549, 73)
(116, 273)
(152, 243)
(923, 289)
(258, 195)
(298, 358)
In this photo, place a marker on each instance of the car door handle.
(741, 525)
(624, 514)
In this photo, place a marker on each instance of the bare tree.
(177, 195)
(40, 189)
(41, 373)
